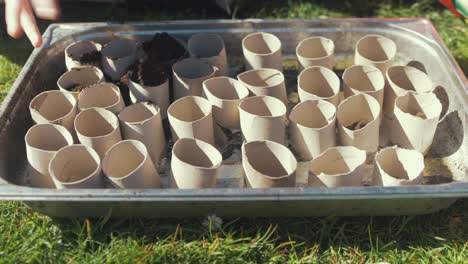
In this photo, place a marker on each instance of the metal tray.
(418, 43)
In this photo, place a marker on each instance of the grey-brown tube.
(76, 79)
(359, 79)
(209, 47)
(158, 94)
(316, 51)
(101, 95)
(318, 82)
(76, 50)
(117, 56)
(375, 50)
(189, 75)
(265, 82)
(262, 50)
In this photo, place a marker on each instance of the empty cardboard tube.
(195, 164)
(265, 82)
(128, 166)
(143, 122)
(42, 142)
(318, 82)
(312, 128)
(76, 50)
(98, 128)
(209, 47)
(268, 164)
(225, 94)
(316, 51)
(359, 79)
(158, 94)
(76, 166)
(375, 50)
(396, 166)
(101, 95)
(263, 118)
(191, 117)
(338, 167)
(359, 122)
(262, 50)
(117, 56)
(189, 75)
(79, 78)
(415, 120)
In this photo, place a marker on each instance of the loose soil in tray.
(149, 73)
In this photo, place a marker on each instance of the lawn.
(26, 236)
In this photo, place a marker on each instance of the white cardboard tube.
(263, 118)
(265, 82)
(225, 94)
(98, 128)
(76, 166)
(195, 164)
(359, 79)
(312, 128)
(158, 94)
(128, 166)
(82, 76)
(268, 164)
(143, 122)
(316, 51)
(318, 82)
(101, 95)
(191, 117)
(189, 74)
(262, 50)
(375, 50)
(338, 167)
(75, 50)
(209, 47)
(42, 142)
(117, 56)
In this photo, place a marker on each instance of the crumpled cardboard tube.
(362, 113)
(316, 51)
(318, 82)
(225, 94)
(268, 164)
(143, 122)
(265, 82)
(76, 166)
(83, 76)
(415, 121)
(55, 107)
(189, 74)
(128, 166)
(396, 166)
(400, 80)
(42, 142)
(101, 95)
(117, 56)
(195, 164)
(75, 50)
(191, 117)
(375, 50)
(359, 79)
(338, 167)
(158, 94)
(312, 128)
(262, 50)
(98, 128)
(263, 118)
(209, 47)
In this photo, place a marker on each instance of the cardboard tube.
(338, 167)
(195, 164)
(318, 82)
(268, 164)
(415, 120)
(77, 49)
(262, 50)
(42, 142)
(191, 117)
(316, 51)
(265, 82)
(398, 166)
(128, 166)
(82, 77)
(158, 94)
(98, 128)
(263, 118)
(359, 79)
(312, 128)
(209, 47)
(76, 166)
(375, 50)
(225, 94)
(362, 113)
(101, 95)
(143, 122)
(189, 74)
(117, 55)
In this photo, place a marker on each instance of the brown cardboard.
(117, 56)
(375, 50)
(318, 82)
(316, 51)
(262, 50)
(189, 74)
(265, 82)
(82, 76)
(76, 49)
(102, 95)
(158, 95)
(209, 47)
(359, 79)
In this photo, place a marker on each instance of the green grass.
(26, 236)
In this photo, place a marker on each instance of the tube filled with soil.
(318, 82)
(189, 75)
(77, 79)
(101, 95)
(209, 47)
(375, 50)
(316, 51)
(262, 50)
(83, 53)
(265, 82)
(359, 79)
(117, 56)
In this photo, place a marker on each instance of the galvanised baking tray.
(418, 42)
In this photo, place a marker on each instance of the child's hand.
(20, 18)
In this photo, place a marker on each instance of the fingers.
(12, 17)
(28, 22)
(46, 9)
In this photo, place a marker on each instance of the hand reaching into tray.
(20, 17)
